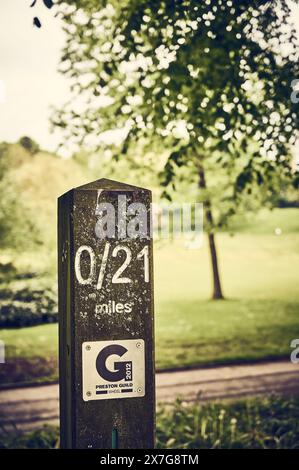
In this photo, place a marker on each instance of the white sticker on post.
(113, 369)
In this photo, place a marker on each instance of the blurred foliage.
(137, 168)
(29, 371)
(260, 423)
(29, 144)
(24, 301)
(26, 307)
(45, 438)
(15, 218)
(30, 182)
(207, 82)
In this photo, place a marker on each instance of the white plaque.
(113, 369)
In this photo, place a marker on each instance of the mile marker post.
(106, 333)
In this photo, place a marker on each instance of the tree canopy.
(210, 81)
(203, 77)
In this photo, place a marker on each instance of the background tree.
(17, 229)
(29, 144)
(210, 80)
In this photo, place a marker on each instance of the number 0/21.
(117, 277)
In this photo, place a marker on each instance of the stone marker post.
(106, 352)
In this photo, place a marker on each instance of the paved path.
(30, 408)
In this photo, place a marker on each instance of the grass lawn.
(261, 423)
(260, 272)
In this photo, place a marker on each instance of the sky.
(29, 81)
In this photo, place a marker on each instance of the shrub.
(29, 144)
(260, 423)
(46, 438)
(27, 307)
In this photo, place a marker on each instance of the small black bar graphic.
(126, 390)
(101, 392)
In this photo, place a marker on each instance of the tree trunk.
(217, 289)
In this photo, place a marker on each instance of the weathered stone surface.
(113, 305)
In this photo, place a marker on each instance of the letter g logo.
(119, 372)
